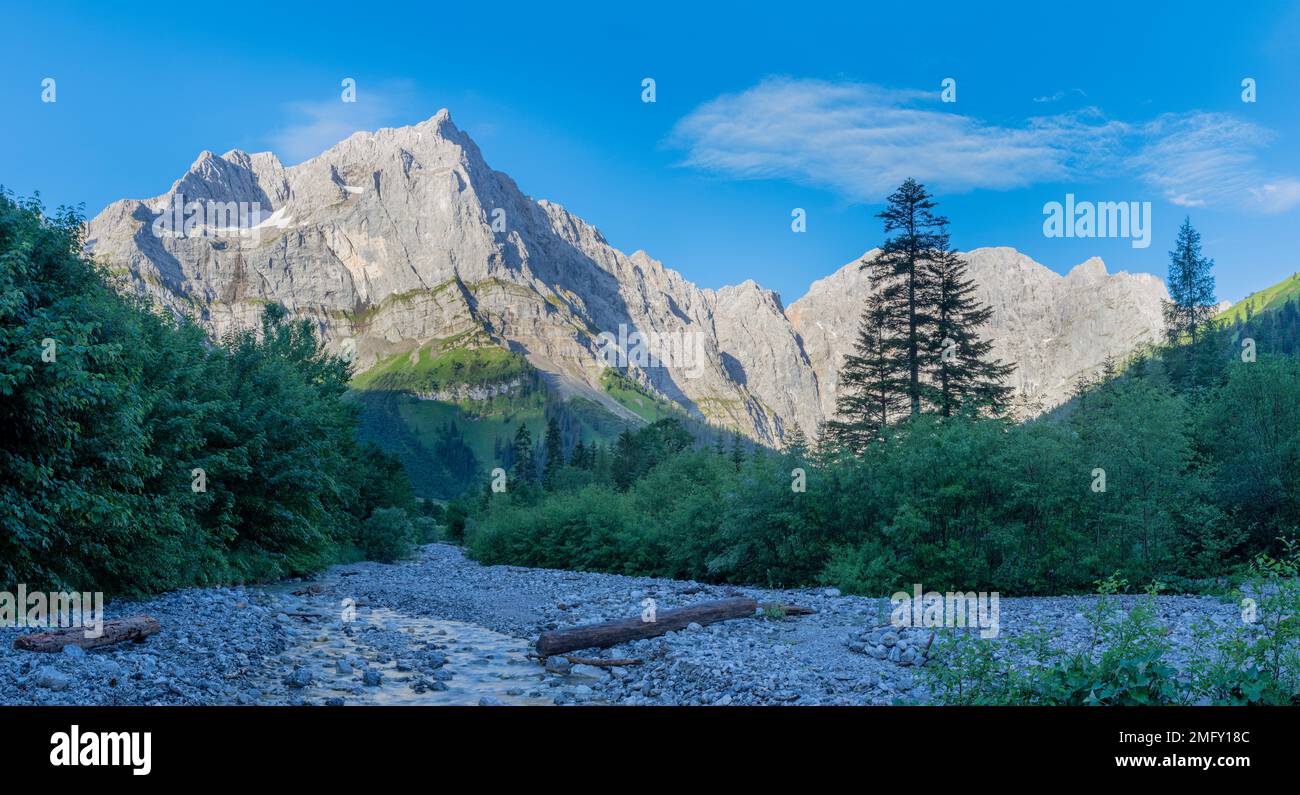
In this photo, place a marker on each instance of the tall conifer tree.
(964, 376)
(918, 344)
(901, 278)
(1191, 288)
(873, 383)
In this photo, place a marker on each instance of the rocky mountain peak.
(1090, 270)
(391, 239)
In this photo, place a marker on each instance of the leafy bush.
(426, 530)
(135, 456)
(387, 535)
(1122, 665)
(1261, 666)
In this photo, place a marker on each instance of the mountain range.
(403, 245)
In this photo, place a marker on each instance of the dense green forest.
(1180, 465)
(136, 456)
(1198, 478)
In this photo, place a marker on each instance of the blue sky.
(759, 109)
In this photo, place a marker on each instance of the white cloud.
(861, 141)
(1210, 159)
(1060, 95)
(1279, 196)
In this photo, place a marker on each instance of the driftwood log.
(612, 633)
(135, 628)
(789, 610)
(601, 662)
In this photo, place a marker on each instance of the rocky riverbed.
(443, 629)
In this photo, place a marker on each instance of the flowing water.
(422, 661)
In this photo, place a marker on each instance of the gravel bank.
(393, 634)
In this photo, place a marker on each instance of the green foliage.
(1197, 481)
(1191, 288)
(446, 365)
(387, 535)
(1249, 430)
(1273, 297)
(1263, 665)
(456, 517)
(135, 456)
(636, 397)
(1122, 664)
(918, 346)
(427, 437)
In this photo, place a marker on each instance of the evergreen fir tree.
(1191, 288)
(963, 374)
(1109, 369)
(902, 280)
(873, 383)
(918, 343)
(625, 464)
(737, 452)
(578, 458)
(525, 468)
(796, 444)
(554, 449)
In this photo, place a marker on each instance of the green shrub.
(1123, 663)
(388, 535)
(1261, 665)
(425, 530)
(136, 456)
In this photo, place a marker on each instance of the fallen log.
(601, 662)
(135, 628)
(788, 610)
(612, 633)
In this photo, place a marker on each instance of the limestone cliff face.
(392, 239)
(1053, 328)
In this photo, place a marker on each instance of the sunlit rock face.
(392, 239)
(1053, 328)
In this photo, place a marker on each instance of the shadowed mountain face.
(393, 239)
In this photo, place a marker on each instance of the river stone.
(558, 665)
(52, 679)
(301, 677)
(589, 671)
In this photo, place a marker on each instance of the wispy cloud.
(1210, 159)
(1277, 196)
(316, 125)
(1057, 96)
(861, 140)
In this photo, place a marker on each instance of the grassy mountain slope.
(1268, 299)
(450, 409)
